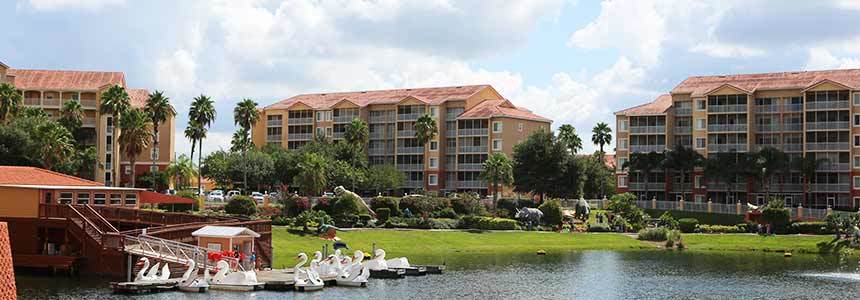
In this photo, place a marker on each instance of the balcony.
(830, 187)
(788, 187)
(89, 104)
(410, 167)
(473, 149)
(767, 108)
(828, 146)
(793, 107)
(648, 129)
(470, 167)
(768, 127)
(89, 122)
(385, 118)
(414, 184)
(345, 118)
(833, 167)
(684, 111)
(338, 135)
(651, 186)
(471, 184)
(300, 121)
(275, 123)
(792, 147)
(410, 150)
(377, 135)
(51, 102)
(451, 150)
(647, 148)
(273, 138)
(450, 165)
(473, 132)
(380, 151)
(727, 148)
(683, 130)
(452, 116)
(727, 128)
(792, 127)
(406, 133)
(409, 117)
(681, 187)
(741, 108)
(759, 147)
(32, 101)
(300, 136)
(721, 186)
(451, 132)
(827, 105)
(837, 125)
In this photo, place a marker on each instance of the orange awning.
(156, 198)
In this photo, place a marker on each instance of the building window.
(856, 119)
(698, 181)
(434, 145)
(700, 124)
(856, 140)
(622, 126)
(328, 131)
(700, 143)
(497, 145)
(115, 199)
(622, 181)
(320, 131)
(497, 127)
(320, 116)
(434, 162)
(432, 179)
(622, 144)
(857, 99)
(700, 105)
(857, 182)
(107, 176)
(99, 199)
(213, 246)
(83, 198)
(328, 115)
(621, 162)
(48, 197)
(130, 199)
(65, 198)
(520, 127)
(434, 111)
(857, 161)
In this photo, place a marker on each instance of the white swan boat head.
(305, 278)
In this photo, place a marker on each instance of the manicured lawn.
(752, 242)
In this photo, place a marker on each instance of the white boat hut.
(222, 238)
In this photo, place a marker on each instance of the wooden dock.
(283, 279)
(144, 287)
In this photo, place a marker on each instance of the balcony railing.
(788, 187)
(299, 136)
(273, 138)
(380, 151)
(338, 135)
(410, 167)
(386, 118)
(345, 118)
(89, 104)
(32, 101)
(683, 130)
(406, 133)
(681, 187)
(648, 129)
(377, 135)
(51, 102)
(684, 111)
(651, 186)
(473, 149)
(451, 132)
(466, 184)
(647, 148)
(834, 167)
(727, 147)
(829, 187)
(727, 127)
(721, 186)
(410, 150)
(827, 125)
(792, 147)
(766, 108)
(89, 122)
(450, 165)
(792, 127)
(275, 123)
(768, 127)
(300, 121)
(759, 147)
(827, 146)
(470, 167)
(409, 117)
(413, 184)
(738, 108)
(827, 105)
(473, 132)
(451, 150)
(793, 107)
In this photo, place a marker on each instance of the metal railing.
(450, 150)
(300, 121)
(410, 150)
(380, 151)
(473, 131)
(726, 127)
(737, 208)
(829, 187)
(683, 130)
(827, 125)
(792, 147)
(345, 118)
(385, 118)
(827, 105)
(470, 167)
(767, 108)
(683, 111)
(273, 138)
(651, 186)
(647, 148)
(473, 149)
(792, 127)
(827, 146)
(648, 129)
(32, 101)
(834, 167)
(275, 123)
(89, 104)
(793, 107)
(51, 102)
(739, 108)
(410, 116)
(727, 147)
(413, 183)
(406, 133)
(89, 122)
(471, 184)
(410, 167)
(451, 132)
(299, 136)
(768, 127)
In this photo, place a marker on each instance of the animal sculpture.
(529, 215)
(340, 191)
(582, 209)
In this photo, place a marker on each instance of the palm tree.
(683, 160)
(115, 101)
(644, 163)
(311, 178)
(567, 136)
(357, 133)
(10, 100)
(56, 145)
(768, 162)
(807, 165)
(497, 169)
(245, 114)
(72, 116)
(159, 109)
(200, 117)
(425, 129)
(601, 135)
(135, 136)
(181, 171)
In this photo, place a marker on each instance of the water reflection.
(577, 275)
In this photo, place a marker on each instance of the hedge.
(809, 228)
(391, 203)
(383, 214)
(599, 228)
(703, 217)
(488, 223)
(704, 228)
(688, 225)
(653, 234)
(241, 205)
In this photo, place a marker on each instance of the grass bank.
(460, 247)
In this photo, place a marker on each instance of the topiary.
(241, 205)
(345, 205)
(447, 213)
(312, 218)
(668, 221)
(383, 214)
(688, 225)
(466, 204)
(391, 203)
(552, 214)
(295, 205)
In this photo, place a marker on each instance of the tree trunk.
(132, 172)
(602, 164)
(495, 192)
(199, 165)
(154, 169)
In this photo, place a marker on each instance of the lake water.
(576, 275)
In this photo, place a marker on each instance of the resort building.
(50, 89)
(473, 122)
(804, 114)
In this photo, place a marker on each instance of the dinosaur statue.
(341, 191)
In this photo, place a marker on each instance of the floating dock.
(144, 287)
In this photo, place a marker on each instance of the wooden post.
(681, 204)
(653, 203)
(800, 211)
(738, 208)
(829, 210)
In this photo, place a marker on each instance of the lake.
(575, 275)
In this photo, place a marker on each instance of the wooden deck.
(50, 262)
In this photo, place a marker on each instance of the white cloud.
(214, 141)
(723, 50)
(92, 5)
(820, 58)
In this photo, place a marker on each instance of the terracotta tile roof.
(609, 161)
(15, 175)
(500, 108)
(656, 107)
(138, 97)
(433, 96)
(64, 80)
(698, 86)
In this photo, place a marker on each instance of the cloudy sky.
(573, 61)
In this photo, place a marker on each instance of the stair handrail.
(101, 218)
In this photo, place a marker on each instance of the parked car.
(170, 192)
(232, 193)
(328, 194)
(257, 196)
(215, 195)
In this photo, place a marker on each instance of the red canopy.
(156, 198)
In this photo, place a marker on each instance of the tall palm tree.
(357, 133)
(10, 100)
(311, 178)
(644, 163)
(425, 129)
(808, 165)
(181, 171)
(768, 162)
(567, 136)
(245, 114)
(600, 136)
(159, 109)
(72, 116)
(115, 101)
(56, 145)
(135, 136)
(684, 160)
(497, 169)
(200, 117)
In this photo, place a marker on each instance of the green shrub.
(743, 227)
(443, 223)
(703, 217)
(621, 224)
(688, 225)
(777, 217)
(653, 234)
(391, 203)
(598, 228)
(666, 220)
(421, 205)
(325, 204)
(364, 218)
(704, 228)
(281, 221)
(466, 204)
(241, 205)
(625, 205)
(487, 223)
(552, 214)
(296, 205)
(313, 219)
(447, 213)
(346, 205)
(383, 214)
(674, 239)
(810, 228)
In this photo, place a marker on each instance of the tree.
(767, 163)
(312, 178)
(135, 136)
(382, 178)
(286, 163)
(55, 145)
(254, 169)
(596, 177)
(200, 117)
(245, 114)
(72, 117)
(159, 109)
(216, 167)
(807, 165)
(357, 133)
(497, 169)
(684, 160)
(115, 101)
(601, 135)
(181, 171)
(341, 173)
(645, 164)
(10, 100)
(425, 129)
(569, 139)
(538, 164)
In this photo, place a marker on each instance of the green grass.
(752, 242)
(703, 217)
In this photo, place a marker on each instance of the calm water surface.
(577, 275)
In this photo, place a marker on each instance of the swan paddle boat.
(356, 274)
(148, 273)
(306, 279)
(191, 282)
(226, 279)
(379, 267)
(401, 263)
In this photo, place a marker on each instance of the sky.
(575, 62)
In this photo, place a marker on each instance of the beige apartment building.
(474, 122)
(50, 89)
(811, 113)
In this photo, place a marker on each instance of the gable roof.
(224, 231)
(657, 107)
(137, 97)
(698, 86)
(64, 80)
(432, 96)
(500, 108)
(18, 175)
